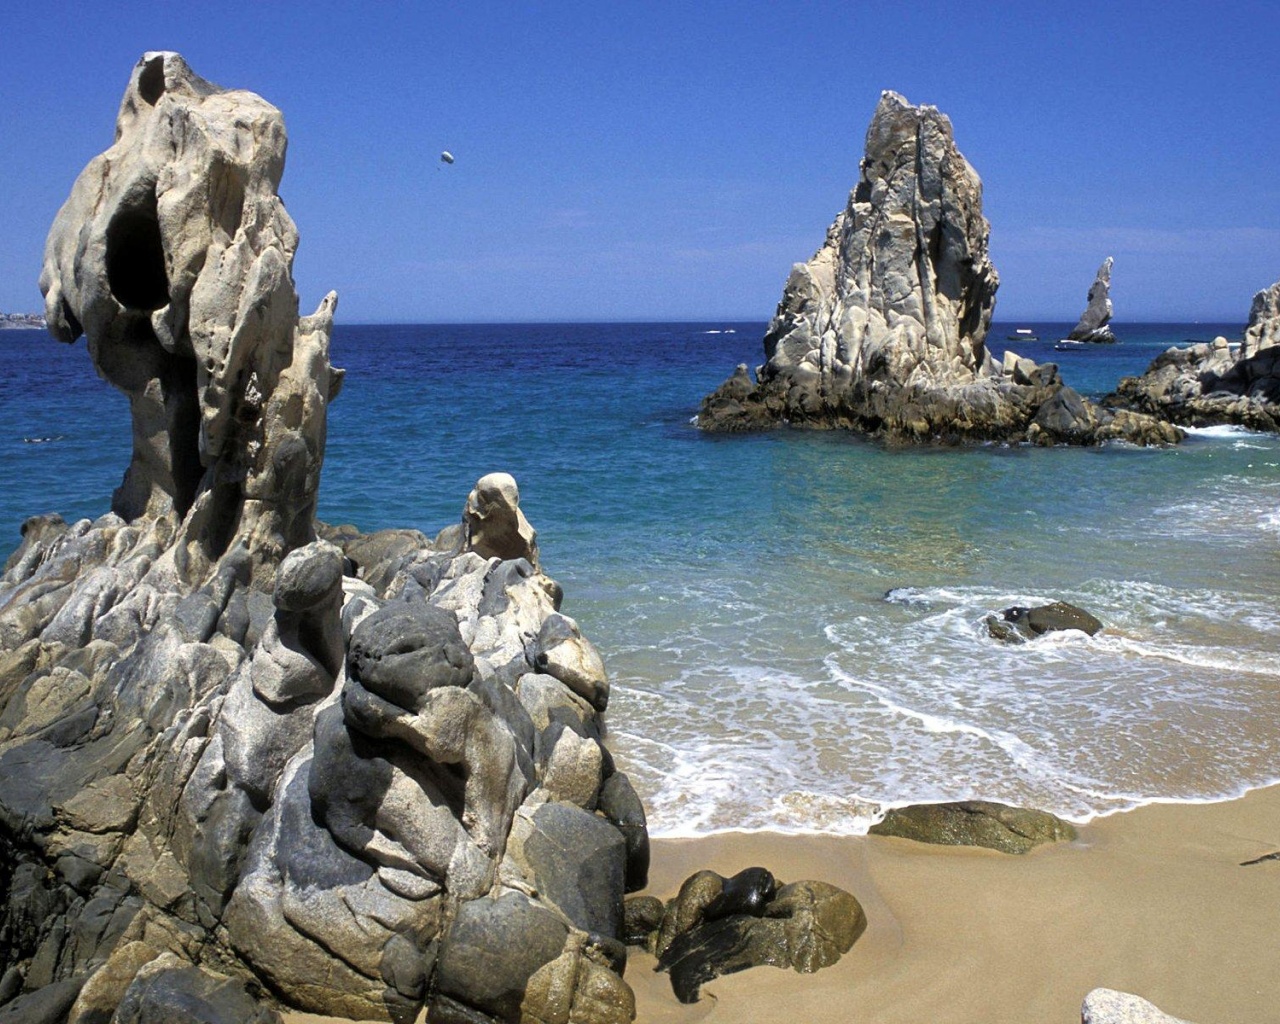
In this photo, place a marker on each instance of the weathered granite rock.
(239, 748)
(1095, 320)
(975, 823)
(1107, 1006)
(883, 330)
(494, 524)
(1018, 624)
(720, 925)
(641, 919)
(167, 992)
(172, 256)
(1207, 384)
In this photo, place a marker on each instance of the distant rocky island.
(21, 322)
(883, 331)
(1094, 324)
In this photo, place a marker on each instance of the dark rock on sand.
(883, 331)
(804, 926)
(1210, 383)
(1094, 321)
(641, 919)
(975, 823)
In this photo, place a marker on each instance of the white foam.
(1267, 665)
(1220, 430)
(816, 720)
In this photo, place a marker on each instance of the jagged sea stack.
(1094, 325)
(883, 330)
(1208, 384)
(248, 761)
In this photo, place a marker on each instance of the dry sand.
(1154, 901)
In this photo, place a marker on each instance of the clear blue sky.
(672, 160)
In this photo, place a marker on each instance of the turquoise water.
(793, 622)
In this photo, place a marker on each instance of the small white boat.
(1022, 334)
(1067, 345)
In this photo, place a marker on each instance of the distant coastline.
(21, 322)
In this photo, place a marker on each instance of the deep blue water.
(737, 585)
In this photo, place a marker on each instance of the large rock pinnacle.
(883, 331)
(1095, 320)
(173, 257)
(902, 290)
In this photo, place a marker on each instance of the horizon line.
(1216, 321)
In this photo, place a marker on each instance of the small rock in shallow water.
(1047, 618)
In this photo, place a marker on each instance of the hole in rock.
(166, 413)
(183, 407)
(135, 257)
(151, 81)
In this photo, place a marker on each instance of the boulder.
(167, 992)
(1107, 1006)
(884, 330)
(975, 823)
(563, 652)
(720, 926)
(1094, 321)
(550, 975)
(577, 861)
(1017, 624)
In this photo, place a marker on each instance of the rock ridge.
(883, 331)
(1215, 383)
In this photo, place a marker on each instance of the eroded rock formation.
(1094, 324)
(716, 925)
(1208, 384)
(247, 760)
(883, 330)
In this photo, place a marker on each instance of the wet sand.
(1154, 901)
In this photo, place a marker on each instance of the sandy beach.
(1154, 901)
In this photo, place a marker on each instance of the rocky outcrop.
(883, 330)
(717, 925)
(975, 823)
(1095, 320)
(1207, 384)
(172, 256)
(247, 760)
(1107, 1006)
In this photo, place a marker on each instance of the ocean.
(794, 622)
